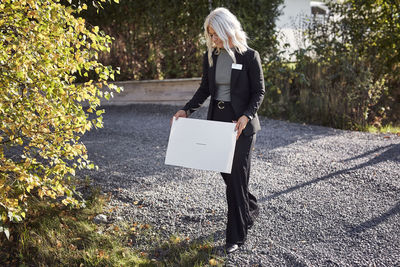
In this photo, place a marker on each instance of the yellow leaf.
(95, 29)
(213, 262)
(40, 193)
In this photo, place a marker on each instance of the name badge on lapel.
(237, 66)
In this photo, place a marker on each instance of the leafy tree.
(154, 39)
(372, 29)
(367, 35)
(350, 75)
(157, 39)
(44, 46)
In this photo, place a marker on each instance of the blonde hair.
(227, 27)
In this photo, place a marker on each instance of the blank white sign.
(201, 144)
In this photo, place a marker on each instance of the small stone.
(100, 218)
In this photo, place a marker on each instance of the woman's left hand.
(240, 125)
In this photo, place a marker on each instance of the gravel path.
(327, 197)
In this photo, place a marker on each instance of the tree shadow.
(390, 153)
(386, 153)
(393, 153)
(376, 220)
(277, 133)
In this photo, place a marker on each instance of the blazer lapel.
(235, 73)
(211, 75)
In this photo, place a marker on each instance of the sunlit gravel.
(328, 197)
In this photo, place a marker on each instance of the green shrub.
(159, 39)
(43, 47)
(348, 77)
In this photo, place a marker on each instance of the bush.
(337, 93)
(347, 78)
(159, 39)
(43, 47)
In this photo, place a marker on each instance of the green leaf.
(43, 46)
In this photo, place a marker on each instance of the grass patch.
(385, 129)
(58, 236)
(182, 252)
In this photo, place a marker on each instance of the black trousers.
(242, 205)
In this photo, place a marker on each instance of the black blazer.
(247, 89)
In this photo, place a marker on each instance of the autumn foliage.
(44, 46)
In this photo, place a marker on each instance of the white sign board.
(201, 144)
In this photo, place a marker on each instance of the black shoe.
(230, 248)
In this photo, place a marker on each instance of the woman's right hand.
(179, 114)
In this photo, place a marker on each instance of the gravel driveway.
(327, 197)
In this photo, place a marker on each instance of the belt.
(221, 104)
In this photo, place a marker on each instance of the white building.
(296, 14)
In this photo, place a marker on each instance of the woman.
(233, 77)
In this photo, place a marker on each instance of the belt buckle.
(221, 105)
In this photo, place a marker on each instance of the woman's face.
(214, 37)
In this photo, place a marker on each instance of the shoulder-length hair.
(227, 27)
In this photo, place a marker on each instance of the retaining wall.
(169, 91)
